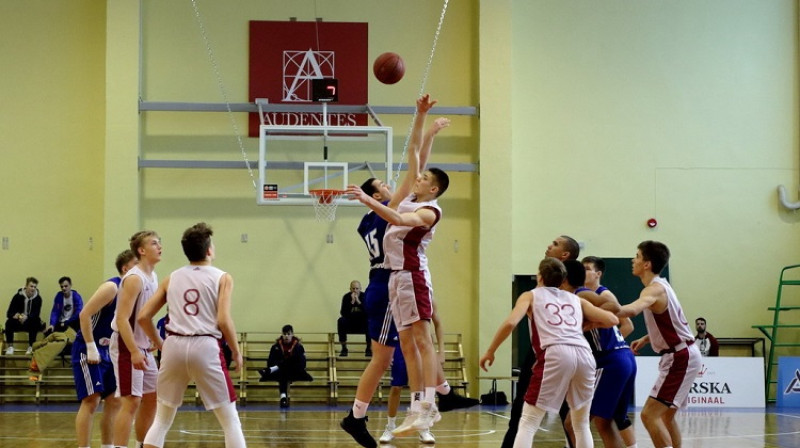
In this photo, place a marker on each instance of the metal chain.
(421, 90)
(235, 125)
(224, 92)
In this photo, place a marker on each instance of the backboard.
(295, 159)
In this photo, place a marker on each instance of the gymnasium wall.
(52, 104)
(682, 111)
(286, 272)
(604, 114)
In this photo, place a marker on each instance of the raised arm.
(420, 217)
(103, 296)
(520, 309)
(149, 310)
(427, 143)
(225, 320)
(424, 104)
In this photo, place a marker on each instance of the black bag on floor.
(493, 397)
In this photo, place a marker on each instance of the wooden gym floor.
(52, 426)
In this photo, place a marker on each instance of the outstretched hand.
(425, 103)
(355, 193)
(439, 124)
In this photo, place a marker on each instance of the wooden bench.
(347, 372)
(15, 383)
(335, 378)
(255, 347)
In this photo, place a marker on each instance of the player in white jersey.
(199, 299)
(134, 365)
(412, 214)
(564, 365)
(669, 334)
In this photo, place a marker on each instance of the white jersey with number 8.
(192, 299)
(558, 319)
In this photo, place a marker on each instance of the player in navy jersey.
(616, 367)
(563, 248)
(91, 362)
(381, 328)
(564, 367)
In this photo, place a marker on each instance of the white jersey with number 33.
(192, 298)
(558, 319)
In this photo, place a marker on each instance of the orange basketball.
(389, 68)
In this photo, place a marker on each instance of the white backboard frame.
(321, 134)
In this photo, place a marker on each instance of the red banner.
(285, 56)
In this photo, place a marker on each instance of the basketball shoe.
(357, 428)
(453, 401)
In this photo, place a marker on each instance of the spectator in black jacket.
(286, 363)
(353, 318)
(24, 314)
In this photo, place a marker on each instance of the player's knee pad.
(161, 424)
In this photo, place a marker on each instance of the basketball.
(389, 68)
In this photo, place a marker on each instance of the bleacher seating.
(335, 377)
(255, 351)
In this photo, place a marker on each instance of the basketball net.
(325, 203)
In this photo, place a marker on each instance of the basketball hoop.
(325, 202)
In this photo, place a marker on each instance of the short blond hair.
(138, 239)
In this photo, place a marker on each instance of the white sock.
(634, 446)
(443, 388)
(430, 395)
(110, 445)
(359, 409)
(140, 444)
(392, 422)
(273, 369)
(283, 394)
(416, 400)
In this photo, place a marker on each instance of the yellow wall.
(52, 129)
(682, 111)
(594, 117)
(286, 272)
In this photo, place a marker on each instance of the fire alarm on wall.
(652, 223)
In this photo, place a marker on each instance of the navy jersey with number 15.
(372, 230)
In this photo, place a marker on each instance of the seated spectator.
(67, 306)
(353, 318)
(706, 342)
(286, 363)
(24, 314)
(64, 325)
